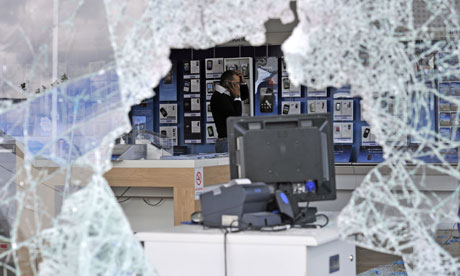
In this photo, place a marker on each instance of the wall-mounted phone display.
(243, 65)
(191, 72)
(266, 88)
(316, 106)
(233, 67)
(347, 109)
(286, 84)
(367, 137)
(370, 154)
(245, 69)
(196, 106)
(170, 132)
(266, 100)
(342, 92)
(343, 110)
(445, 132)
(286, 108)
(450, 133)
(192, 105)
(192, 130)
(290, 107)
(238, 64)
(186, 67)
(446, 106)
(209, 65)
(343, 133)
(288, 89)
(209, 117)
(454, 89)
(210, 87)
(312, 92)
(195, 85)
(211, 133)
(168, 113)
(186, 88)
(214, 67)
(194, 67)
(447, 111)
(284, 72)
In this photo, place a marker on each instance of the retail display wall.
(181, 107)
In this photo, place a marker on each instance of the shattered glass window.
(71, 69)
(62, 108)
(401, 58)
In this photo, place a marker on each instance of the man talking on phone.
(226, 102)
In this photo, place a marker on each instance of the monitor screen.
(293, 152)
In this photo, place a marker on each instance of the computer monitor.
(293, 152)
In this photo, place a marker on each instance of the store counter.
(200, 251)
(186, 177)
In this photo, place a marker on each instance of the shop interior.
(108, 162)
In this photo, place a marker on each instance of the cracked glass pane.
(70, 71)
(62, 109)
(400, 57)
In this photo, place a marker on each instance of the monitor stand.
(288, 206)
(306, 215)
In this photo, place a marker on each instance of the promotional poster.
(266, 88)
(168, 113)
(170, 132)
(192, 130)
(168, 86)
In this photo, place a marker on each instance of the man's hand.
(242, 80)
(234, 89)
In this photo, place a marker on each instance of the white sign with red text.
(199, 182)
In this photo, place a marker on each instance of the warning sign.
(199, 182)
(198, 178)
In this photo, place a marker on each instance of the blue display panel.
(142, 115)
(168, 85)
(427, 156)
(370, 154)
(423, 117)
(139, 122)
(342, 153)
